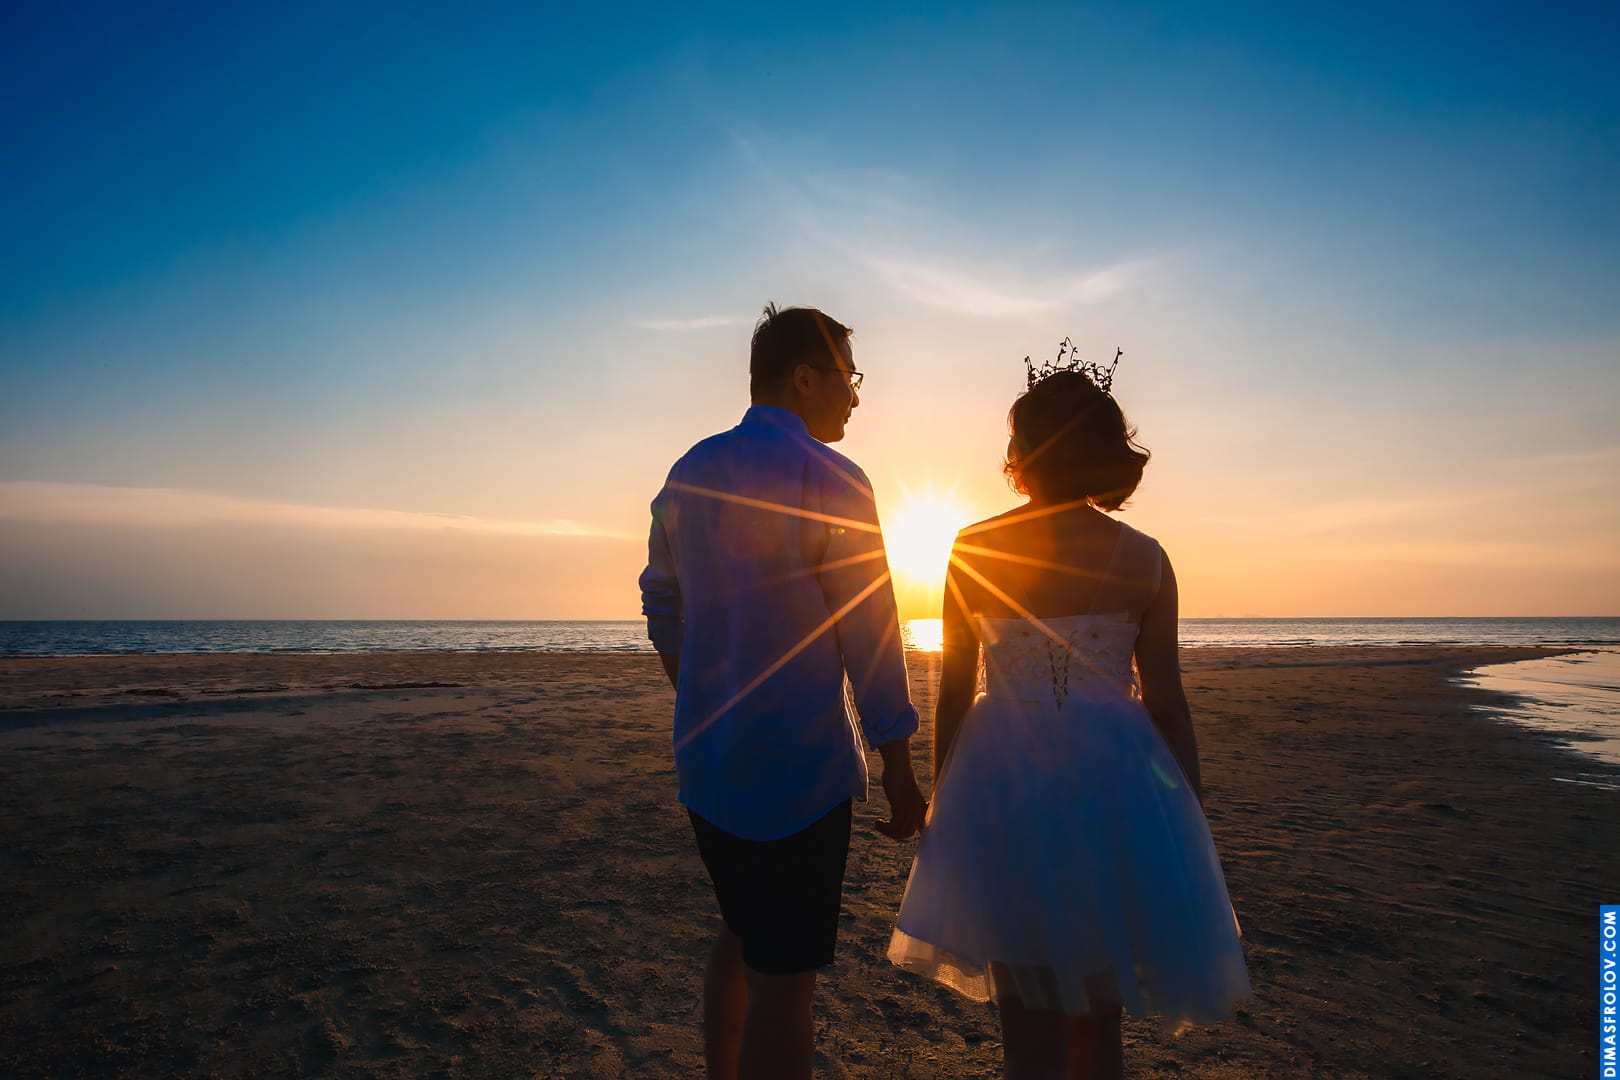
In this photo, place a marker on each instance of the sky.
(340, 311)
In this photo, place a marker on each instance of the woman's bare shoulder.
(1142, 539)
(1133, 531)
(979, 531)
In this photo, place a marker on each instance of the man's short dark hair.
(787, 337)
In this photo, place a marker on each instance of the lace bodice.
(1084, 655)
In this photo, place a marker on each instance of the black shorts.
(781, 897)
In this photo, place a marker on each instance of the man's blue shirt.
(766, 573)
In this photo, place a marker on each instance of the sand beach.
(474, 865)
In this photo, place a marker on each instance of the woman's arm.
(959, 676)
(1159, 667)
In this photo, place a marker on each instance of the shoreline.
(1535, 698)
(1486, 654)
(391, 864)
(644, 648)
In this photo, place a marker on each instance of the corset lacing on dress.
(1085, 655)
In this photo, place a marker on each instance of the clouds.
(701, 322)
(95, 504)
(95, 552)
(938, 283)
(1365, 337)
(258, 571)
(903, 230)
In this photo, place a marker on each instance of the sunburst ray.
(1001, 594)
(766, 504)
(777, 665)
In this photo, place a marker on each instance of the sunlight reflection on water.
(138, 637)
(923, 635)
(1575, 697)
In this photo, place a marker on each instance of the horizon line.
(475, 619)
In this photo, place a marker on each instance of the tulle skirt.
(1068, 863)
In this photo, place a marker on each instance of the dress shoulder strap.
(1153, 560)
(1138, 560)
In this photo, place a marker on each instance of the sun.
(918, 534)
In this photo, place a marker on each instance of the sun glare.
(918, 535)
(923, 635)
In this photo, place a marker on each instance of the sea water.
(1575, 697)
(137, 637)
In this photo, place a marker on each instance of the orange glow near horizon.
(918, 534)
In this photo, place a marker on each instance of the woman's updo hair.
(1070, 443)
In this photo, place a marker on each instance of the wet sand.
(474, 865)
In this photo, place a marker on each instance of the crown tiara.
(1067, 360)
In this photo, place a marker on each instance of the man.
(766, 584)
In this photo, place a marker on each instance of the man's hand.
(907, 807)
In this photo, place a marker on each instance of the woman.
(1067, 870)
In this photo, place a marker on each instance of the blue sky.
(502, 266)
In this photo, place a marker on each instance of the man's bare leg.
(1033, 1042)
(725, 1006)
(1096, 1046)
(779, 1039)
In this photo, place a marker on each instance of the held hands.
(907, 807)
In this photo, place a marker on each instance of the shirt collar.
(776, 416)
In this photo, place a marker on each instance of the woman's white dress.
(1066, 860)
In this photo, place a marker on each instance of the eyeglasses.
(855, 377)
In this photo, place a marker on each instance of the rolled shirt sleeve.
(860, 593)
(660, 587)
